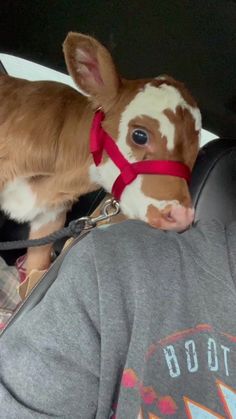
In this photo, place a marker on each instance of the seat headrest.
(213, 184)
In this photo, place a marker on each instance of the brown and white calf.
(45, 159)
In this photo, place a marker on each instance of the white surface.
(18, 67)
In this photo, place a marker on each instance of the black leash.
(74, 229)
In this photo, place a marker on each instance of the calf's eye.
(140, 137)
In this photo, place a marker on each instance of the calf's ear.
(91, 66)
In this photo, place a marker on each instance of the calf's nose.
(172, 217)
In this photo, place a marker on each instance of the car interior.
(192, 41)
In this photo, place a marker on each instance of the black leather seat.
(213, 184)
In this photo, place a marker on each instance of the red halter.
(100, 141)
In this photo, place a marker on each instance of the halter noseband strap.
(100, 140)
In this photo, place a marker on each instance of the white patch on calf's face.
(152, 102)
(193, 110)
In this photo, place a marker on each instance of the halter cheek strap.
(101, 141)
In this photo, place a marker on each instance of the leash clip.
(110, 208)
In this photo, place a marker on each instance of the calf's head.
(149, 120)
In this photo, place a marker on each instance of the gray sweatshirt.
(140, 324)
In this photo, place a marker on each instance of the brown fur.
(40, 138)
